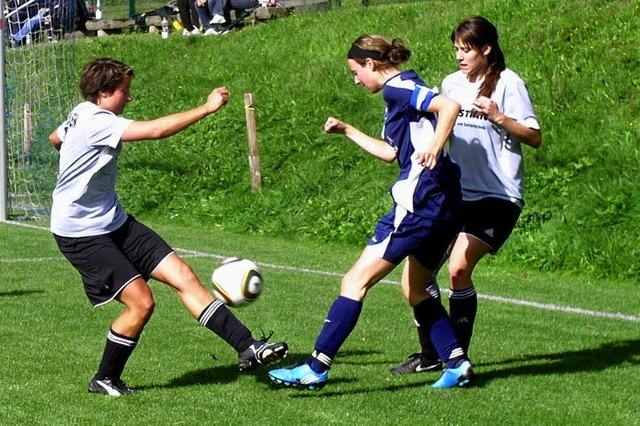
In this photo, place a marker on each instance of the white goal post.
(37, 88)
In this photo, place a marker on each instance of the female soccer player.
(496, 118)
(422, 221)
(113, 252)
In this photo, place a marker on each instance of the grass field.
(568, 357)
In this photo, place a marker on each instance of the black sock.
(463, 305)
(219, 319)
(116, 353)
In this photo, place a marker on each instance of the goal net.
(39, 79)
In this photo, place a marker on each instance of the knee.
(353, 287)
(460, 275)
(458, 270)
(143, 309)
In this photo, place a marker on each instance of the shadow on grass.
(584, 360)
(229, 373)
(14, 293)
(204, 376)
(568, 362)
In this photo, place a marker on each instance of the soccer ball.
(237, 281)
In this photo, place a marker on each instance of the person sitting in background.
(30, 21)
(188, 17)
(215, 15)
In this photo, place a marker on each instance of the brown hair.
(102, 75)
(393, 52)
(477, 32)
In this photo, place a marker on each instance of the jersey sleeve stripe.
(421, 98)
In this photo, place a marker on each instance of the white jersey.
(84, 199)
(490, 159)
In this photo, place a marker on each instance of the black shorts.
(107, 263)
(491, 220)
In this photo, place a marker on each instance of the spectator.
(188, 17)
(215, 15)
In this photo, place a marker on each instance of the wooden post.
(252, 136)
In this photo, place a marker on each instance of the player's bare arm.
(55, 140)
(447, 111)
(171, 124)
(526, 135)
(376, 147)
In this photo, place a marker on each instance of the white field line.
(500, 299)
(507, 300)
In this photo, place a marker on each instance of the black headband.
(357, 53)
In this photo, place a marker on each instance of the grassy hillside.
(580, 61)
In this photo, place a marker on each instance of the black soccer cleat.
(109, 387)
(418, 363)
(261, 352)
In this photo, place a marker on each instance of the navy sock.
(426, 347)
(463, 305)
(116, 354)
(219, 319)
(431, 315)
(341, 320)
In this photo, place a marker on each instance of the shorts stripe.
(160, 263)
(479, 239)
(117, 292)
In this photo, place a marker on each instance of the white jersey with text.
(84, 199)
(490, 159)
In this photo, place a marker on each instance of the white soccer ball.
(237, 281)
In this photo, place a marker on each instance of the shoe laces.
(263, 338)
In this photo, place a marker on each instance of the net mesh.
(39, 91)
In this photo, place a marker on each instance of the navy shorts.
(401, 233)
(491, 220)
(107, 263)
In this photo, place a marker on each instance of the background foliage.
(579, 59)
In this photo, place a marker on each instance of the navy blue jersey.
(433, 194)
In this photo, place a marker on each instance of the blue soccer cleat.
(301, 375)
(452, 377)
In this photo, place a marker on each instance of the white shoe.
(217, 19)
(211, 31)
(186, 33)
(196, 31)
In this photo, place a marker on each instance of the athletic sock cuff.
(209, 311)
(322, 358)
(119, 339)
(463, 294)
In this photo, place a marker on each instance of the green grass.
(534, 366)
(578, 60)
